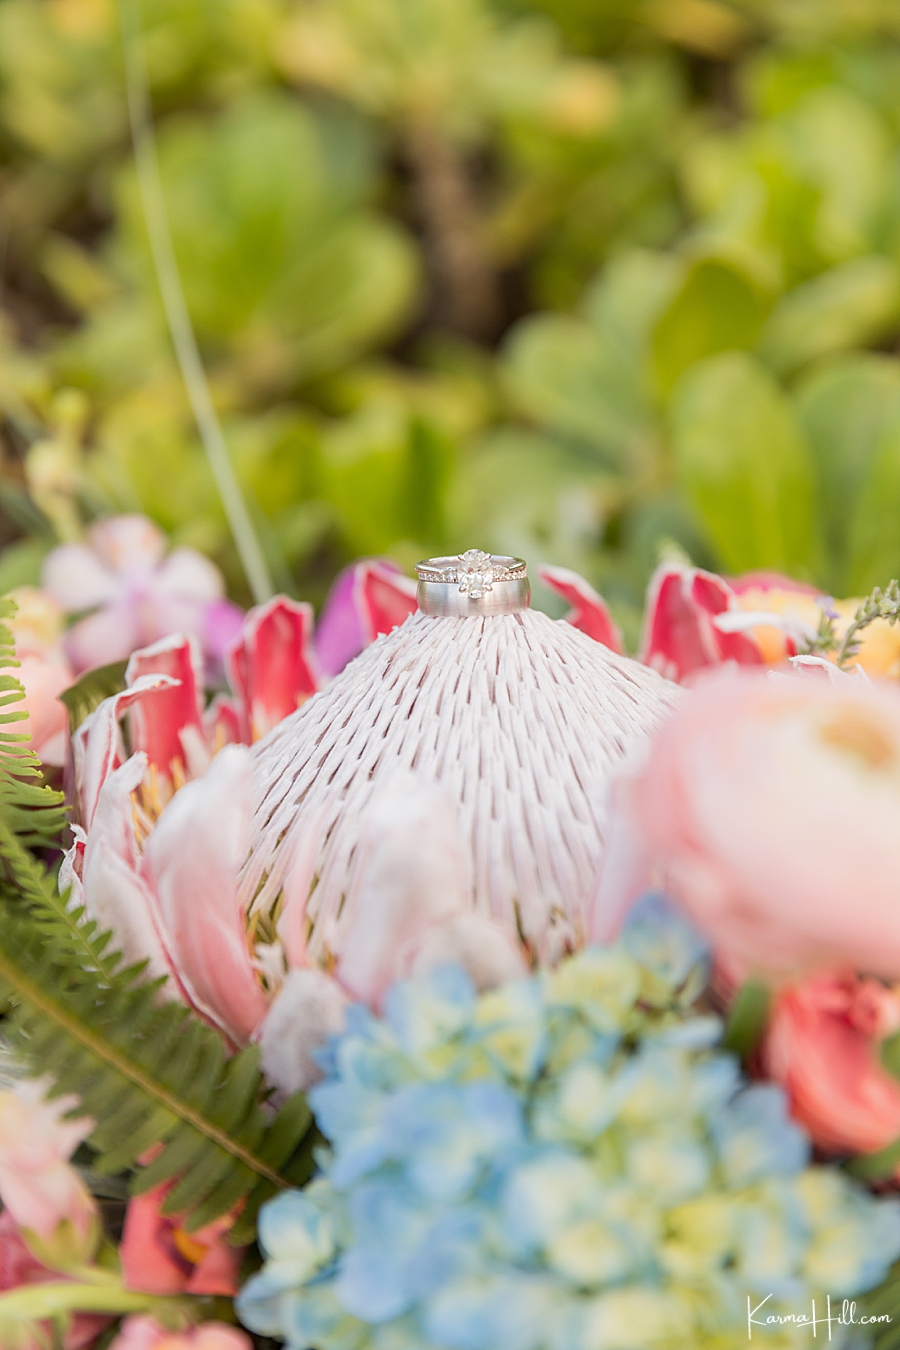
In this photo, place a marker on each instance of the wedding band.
(472, 584)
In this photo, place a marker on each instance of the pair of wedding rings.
(472, 584)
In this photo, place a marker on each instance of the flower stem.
(180, 327)
(879, 605)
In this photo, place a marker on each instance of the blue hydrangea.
(566, 1163)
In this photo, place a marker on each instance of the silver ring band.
(452, 569)
(472, 583)
(444, 598)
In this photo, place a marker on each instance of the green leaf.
(884, 1303)
(20, 563)
(565, 374)
(278, 252)
(876, 1166)
(629, 293)
(848, 306)
(744, 463)
(873, 543)
(86, 694)
(720, 306)
(848, 409)
(747, 1019)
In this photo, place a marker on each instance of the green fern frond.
(149, 1072)
(35, 814)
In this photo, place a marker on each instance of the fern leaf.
(35, 814)
(150, 1072)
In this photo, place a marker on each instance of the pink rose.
(145, 1333)
(37, 1185)
(768, 806)
(822, 1045)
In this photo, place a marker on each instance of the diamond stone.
(475, 573)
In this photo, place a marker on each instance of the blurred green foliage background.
(583, 280)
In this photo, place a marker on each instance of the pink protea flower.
(768, 807)
(164, 832)
(822, 1045)
(138, 593)
(38, 1187)
(695, 619)
(589, 611)
(159, 1256)
(145, 1333)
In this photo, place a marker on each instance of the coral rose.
(822, 1045)
(159, 1256)
(768, 807)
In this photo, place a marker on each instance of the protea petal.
(222, 723)
(369, 598)
(679, 633)
(589, 611)
(271, 666)
(410, 878)
(191, 862)
(387, 597)
(156, 726)
(97, 748)
(115, 894)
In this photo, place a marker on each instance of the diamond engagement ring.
(474, 583)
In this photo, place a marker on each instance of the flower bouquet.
(541, 1068)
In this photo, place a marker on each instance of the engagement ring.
(473, 583)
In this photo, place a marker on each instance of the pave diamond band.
(468, 566)
(472, 583)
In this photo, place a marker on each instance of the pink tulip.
(18, 1267)
(769, 808)
(137, 593)
(144, 1333)
(589, 610)
(159, 1256)
(37, 1186)
(271, 667)
(369, 598)
(822, 1045)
